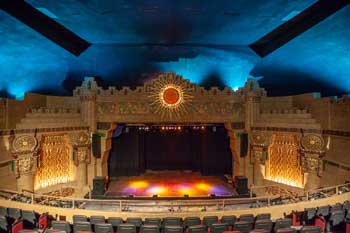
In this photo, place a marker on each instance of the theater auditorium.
(169, 116)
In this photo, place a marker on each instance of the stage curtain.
(206, 151)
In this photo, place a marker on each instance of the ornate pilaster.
(25, 155)
(312, 147)
(258, 148)
(252, 93)
(81, 143)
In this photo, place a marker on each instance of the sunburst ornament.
(171, 96)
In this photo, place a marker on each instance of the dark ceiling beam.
(297, 25)
(46, 26)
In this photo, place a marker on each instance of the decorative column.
(81, 144)
(312, 148)
(235, 150)
(258, 149)
(252, 93)
(88, 93)
(25, 155)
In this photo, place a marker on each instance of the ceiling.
(132, 38)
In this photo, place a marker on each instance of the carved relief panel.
(168, 98)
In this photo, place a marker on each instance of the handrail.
(165, 205)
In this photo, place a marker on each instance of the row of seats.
(312, 220)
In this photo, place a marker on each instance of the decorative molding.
(312, 143)
(24, 143)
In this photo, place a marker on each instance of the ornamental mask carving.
(81, 155)
(311, 163)
(24, 143)
(25, 164)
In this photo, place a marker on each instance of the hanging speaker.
(96, 145)
(244, 144)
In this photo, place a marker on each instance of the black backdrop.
(206, 151)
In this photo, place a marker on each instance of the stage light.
(186, 196)
(155, 196)
(163, 128)
(203, 128)
(179, 128)
(214, 128)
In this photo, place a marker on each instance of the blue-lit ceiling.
(120, 31)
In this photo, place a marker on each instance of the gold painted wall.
(284, 160)
(54, 162)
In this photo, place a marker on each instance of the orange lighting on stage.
(156, 190)
(138, 184)
(203, 186)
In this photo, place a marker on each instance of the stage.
(169, 184)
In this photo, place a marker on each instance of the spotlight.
(179, 128)
(155, 196)
(212, 195)
(203, 128)
(163, 128)
(214, 128)
(131, 196)
(186, 196)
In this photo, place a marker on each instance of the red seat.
(321, 222)
(17, 226)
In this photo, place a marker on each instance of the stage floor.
(169, 184)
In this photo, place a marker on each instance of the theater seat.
(3, 211)
(149, 229)
(3, 224)
(79, 218)
(28, 231)
(247, 218)
(153, 221)
(126, 228)
(61, 225)
(286, 230)
(259, 231)
(218, 227)
(192, 221)
(136, 221)
(210, 220)
(265, 224)
(173, 229)
(309, 216)
(197, 229)
(103, 228)
(81, 226)
(323, 211)
(264, 216)
(54, 231)
(311, 229)
(115, 221)
(229, 220)
(172, 221)
(242, 226)
(13, 214)
(283, 223)
(336, 207)
(29, 219)
(97, 219)
(43, 222)
(335, 220)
